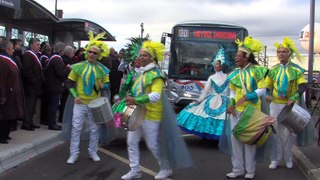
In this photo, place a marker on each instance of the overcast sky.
(267, 20)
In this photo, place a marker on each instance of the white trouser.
(150, 131)
(80, 114)
(237, 153)
(284, 137)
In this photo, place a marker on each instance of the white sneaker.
(273, 165)
(234, 175)
(94, 157)
(249, 176)
(289, 165)
(132, 175)
(163, 174)
(72, 159)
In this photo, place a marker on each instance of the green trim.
(151, 75)
(295, 97)
(74, 93)
(142, 99)
(232, 102)
(294, 70)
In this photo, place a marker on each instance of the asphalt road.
(209, 164)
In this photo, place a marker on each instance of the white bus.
(193, 44)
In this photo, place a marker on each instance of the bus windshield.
(193, 58)
(193, 49)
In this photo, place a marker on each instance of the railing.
(313, 103)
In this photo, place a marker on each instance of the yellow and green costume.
(284, 79)
(147, 82)
(86, 76)
(244, 82)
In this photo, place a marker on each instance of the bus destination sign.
(207, 34)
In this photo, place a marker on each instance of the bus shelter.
(29, 16)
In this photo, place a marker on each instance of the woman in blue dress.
(206, 116)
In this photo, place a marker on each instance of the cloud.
(269, 20)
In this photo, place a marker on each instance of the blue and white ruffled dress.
(207, 118)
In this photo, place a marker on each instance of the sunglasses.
(95, 53)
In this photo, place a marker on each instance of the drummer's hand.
(231, 110)
(290, 102)
(130, 100)
(241, 101)
(268, 99)
(77, 100)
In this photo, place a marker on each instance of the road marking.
(126, 161)
(187, 135)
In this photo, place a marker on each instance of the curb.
(25, 151)
(310, 171)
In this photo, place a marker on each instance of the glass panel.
(192, 59)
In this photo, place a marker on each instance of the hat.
(289, 44)
(96, 41)
(133, 48)
(154, 49)
(249, 45)
(219, 56)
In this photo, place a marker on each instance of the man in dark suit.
(12, 104)
(56, 73)
(32, 82)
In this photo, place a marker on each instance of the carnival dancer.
(131, 57)
(246, 86)
(285, 85)
(147, 90)
(85, 82)
(207, 115)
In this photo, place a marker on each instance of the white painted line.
(126, 161)
(187, 135)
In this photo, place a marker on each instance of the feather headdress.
(133, 48)
(249, 45)
(155, 49)
(289, 44)
(219, 56)
(96, 41)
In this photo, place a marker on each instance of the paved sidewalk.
(25, 145)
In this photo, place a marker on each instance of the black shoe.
(8, 138)
(55, 127)
(28, 128)
(35, 126)
(3, 141)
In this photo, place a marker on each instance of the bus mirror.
(164, 36)
(163, 40)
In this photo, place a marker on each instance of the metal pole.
(311, 41)
(55, 8)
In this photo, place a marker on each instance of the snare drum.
(294, 118)
(132, 117)
(101, 110)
